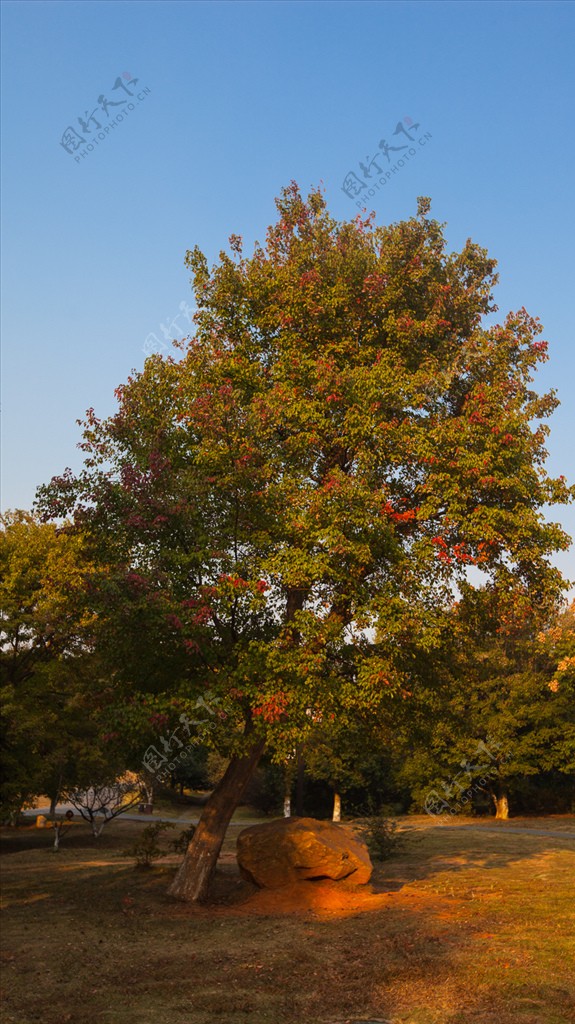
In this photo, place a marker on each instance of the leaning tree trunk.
(336, 816)
(192, 881)
(501, 802)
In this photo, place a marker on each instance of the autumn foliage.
(288, 501)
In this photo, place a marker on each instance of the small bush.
(147, 849)
(382, 837)
(180, 845)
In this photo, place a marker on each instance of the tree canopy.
(285, 508)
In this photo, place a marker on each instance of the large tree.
(290, 502)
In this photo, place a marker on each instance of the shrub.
(180, 845)
(147, 849)
(382, 836)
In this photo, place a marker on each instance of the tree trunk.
(300, 778)
(55, 825)
(501, 802)
(148, 793)
(97, 829)
(336, 807)
(287, 805)
(192, 881)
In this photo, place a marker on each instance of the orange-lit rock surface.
(289, 850)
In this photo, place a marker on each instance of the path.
(145, 819)
(509, 828)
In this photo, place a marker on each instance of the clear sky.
(232, 101)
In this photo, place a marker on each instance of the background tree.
(43, 657)
(348, 755)
(101, 802)
(292, 501)
(493, 709)
(55, 692)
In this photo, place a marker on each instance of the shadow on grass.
(397, 949)
(523, 1002)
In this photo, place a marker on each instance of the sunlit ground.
(462, 927)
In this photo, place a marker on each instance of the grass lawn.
(460, 928)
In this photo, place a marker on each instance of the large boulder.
(294, 849)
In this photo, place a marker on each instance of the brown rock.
(289, 850)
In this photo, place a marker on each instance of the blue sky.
(237, 99)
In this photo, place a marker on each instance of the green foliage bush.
(147, 849)
(181, 843)
(382, 836)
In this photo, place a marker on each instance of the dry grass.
(462, 928)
